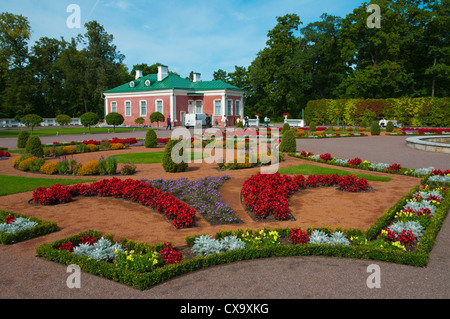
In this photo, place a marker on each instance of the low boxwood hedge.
(43, 227)
(143, 281)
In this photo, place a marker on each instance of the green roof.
(150, 83)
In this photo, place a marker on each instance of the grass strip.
(19, 184)
(307, 169)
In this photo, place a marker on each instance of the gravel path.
(23, 276)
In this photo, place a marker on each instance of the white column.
(106, 106)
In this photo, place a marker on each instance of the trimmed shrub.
(375, 128)
(288, 142)
(286, 127)
(312, 127)
(150, 139)
(22, 139)
(34, 146)
(168, 164)
(389, 127)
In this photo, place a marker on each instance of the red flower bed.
(130, 140)
(4, 154)
(297, 236)
(326, 157)
(395, 167)
(137, 191)
(267, 194)
(422, 130)
(163, 140)
(86, 142)
(170, 255)
(355, 162)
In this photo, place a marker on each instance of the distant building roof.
(150, 83)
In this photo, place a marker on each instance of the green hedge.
(43, 227)
(144, 281)
(423, 111)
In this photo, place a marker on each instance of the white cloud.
(120, 4)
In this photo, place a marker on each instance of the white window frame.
(140, 108)
(195, 106)
(162, 106)
(191, 106)
(114, 107)
(220, 107)
(230, 107)
(125, 106)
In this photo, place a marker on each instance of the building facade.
(174, 96)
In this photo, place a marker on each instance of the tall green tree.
(273, 82)
(17, 83)
(48, 78)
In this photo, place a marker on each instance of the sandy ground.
(22, 275)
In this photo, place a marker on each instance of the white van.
(197, 120)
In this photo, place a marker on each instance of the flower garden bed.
(17, 227)
(267, 196)
(437, 176)
(419, 131)
(143, 266)
(102, 166)
(202, 195)
(179, 213)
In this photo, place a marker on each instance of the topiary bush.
(22, 139)
(168, 162)
(286, 127)
(34, 146)
(375, 128)
(312, 127)
(389, 127)
(150, 139)
(288, 142)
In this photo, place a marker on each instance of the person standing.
(246, 121)
(169, 124)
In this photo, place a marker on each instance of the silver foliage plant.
(100, 250)
(413, 226)
(206, 245)
(19, 224)
(320, 237)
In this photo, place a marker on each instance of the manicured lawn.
(147, 157)
(18, 184)
(307, 169)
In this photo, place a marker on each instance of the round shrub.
(168, 164)
(34, 146)
(288, 142)
(49, 168)
(22, 139)
(375, 128)
(150, 139)
(389, 127)
(90, 168)
(286, 127)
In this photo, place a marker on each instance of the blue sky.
(198, 35)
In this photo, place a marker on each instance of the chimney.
(138, 74)
(163, 72)
(196, 77)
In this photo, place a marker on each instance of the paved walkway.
(24, 276)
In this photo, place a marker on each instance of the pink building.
(174, 96)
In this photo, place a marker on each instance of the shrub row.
(408, 111)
